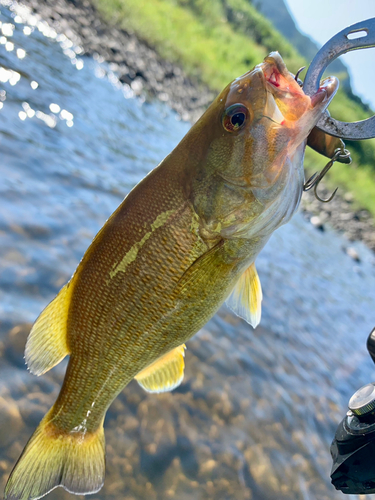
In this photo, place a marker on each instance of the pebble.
(352, 252)
(316, 222)
(15, 344)
(10, 422)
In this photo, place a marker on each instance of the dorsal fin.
(47, 344)
(246, 298)
(164, 374)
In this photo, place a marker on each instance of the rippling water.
(257, 410)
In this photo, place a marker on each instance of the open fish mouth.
(288, 93)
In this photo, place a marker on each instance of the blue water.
(257, 410)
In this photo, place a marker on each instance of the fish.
(182, 242)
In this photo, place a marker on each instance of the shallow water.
(257, 410)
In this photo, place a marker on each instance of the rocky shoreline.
(355, 224)
(147, 74)
(136, 64)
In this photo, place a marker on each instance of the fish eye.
(234, 117)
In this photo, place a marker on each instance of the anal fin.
(164, 374)
(246, 298)
(47, 343)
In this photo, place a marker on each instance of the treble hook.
(315, 179)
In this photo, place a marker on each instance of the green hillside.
(277, 12)
(216, 41)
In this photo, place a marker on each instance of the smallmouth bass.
(183, 241)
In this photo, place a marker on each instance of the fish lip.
(280, 82)
(276, 75)
(275, 59)
(325, 92)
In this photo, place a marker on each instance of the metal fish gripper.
(335, 47)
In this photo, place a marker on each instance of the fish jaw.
(292, 115)
(288, 104)
(248, 169)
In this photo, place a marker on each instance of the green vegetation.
(198, 35)
(216, 41)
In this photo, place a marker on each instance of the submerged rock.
(15, 344)
(10, 422)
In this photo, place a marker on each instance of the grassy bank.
(216, 41)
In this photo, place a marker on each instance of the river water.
(257, 410)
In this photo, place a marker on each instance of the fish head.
(256, 133)
(265, 117)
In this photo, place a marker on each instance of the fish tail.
(51, 458)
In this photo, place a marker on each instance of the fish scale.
(133, 312)
(165, 261)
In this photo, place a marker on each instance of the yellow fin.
(47, 344)
(75, 461)
(164, 374)
(246, 298)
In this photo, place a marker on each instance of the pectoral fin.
(246, 298)
(165, 374)
(205, 268)
(47, 342)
